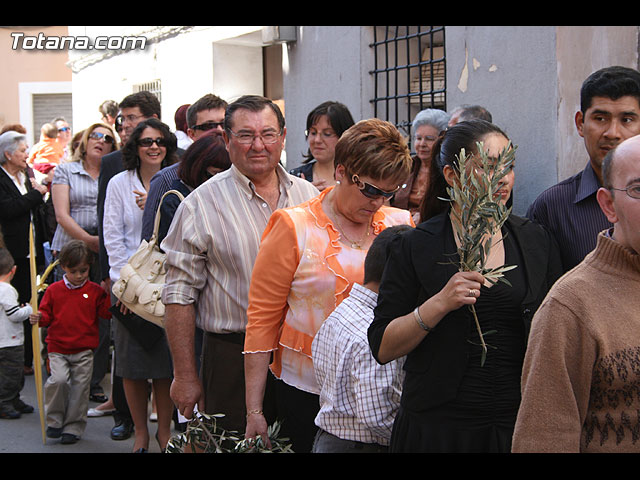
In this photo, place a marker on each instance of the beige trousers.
(66, 391)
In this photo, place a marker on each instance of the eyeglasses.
(206, 126)
(371, 191)
(102, 136)
(130, 118)
(632, 190)
(64, 129)
(324, 134)
(147, 142)
(245, 138)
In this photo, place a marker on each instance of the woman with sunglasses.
(309, 258)
(451, 401)
(150, 147)
(74, 189)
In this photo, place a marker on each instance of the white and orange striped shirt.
(212, 244)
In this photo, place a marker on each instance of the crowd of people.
(326, 297)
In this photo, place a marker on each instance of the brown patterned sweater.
(581, 376)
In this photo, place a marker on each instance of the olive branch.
(203, 435)
(477, 216)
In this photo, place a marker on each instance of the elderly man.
(609, 113)
(211, 247)
(581, 376)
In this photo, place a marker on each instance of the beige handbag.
(141, 280)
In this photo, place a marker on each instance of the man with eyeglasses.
(581, 375)
(206, 114)
(211, 247)
(609, 113)
(134, 109)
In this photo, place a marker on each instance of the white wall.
(187, 64)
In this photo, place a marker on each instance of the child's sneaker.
(54, 432)
(8, 412)
(22, 407)
(69, 438)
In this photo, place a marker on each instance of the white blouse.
(122, 223)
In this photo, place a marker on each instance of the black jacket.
(15, 216)
(419, 266)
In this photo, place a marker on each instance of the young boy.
(71, 309)
(12, 316)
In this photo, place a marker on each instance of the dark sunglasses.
(206, 126)
(102, 136)
(64, 129)
(371, 191)
(147, 142)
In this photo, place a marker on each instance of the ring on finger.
(472, 293)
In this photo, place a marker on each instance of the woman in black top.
(450, 403)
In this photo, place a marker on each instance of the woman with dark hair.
(205, 157)
(451, 402)
(325, 125)
(150, 147)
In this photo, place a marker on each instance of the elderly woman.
(21, 199)
(309, 258)
(325, 125)
(450, 402)
(150, 147)
(427, 126)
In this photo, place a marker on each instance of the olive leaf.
(477, 216)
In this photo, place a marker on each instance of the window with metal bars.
(409, 72)
(153, 86)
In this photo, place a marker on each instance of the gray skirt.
(134, 362)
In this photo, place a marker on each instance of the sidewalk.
(23, 435)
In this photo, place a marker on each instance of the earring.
(338, 182)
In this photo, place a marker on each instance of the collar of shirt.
(77, 167)
(589, 184)
(248, 187)
(362, 294)
(18, 180)
(70, 285)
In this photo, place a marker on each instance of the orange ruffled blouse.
(301, 274)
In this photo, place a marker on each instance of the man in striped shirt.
(211, 247)
(609, 114)
(359, 397)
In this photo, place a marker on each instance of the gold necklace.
(354, 244)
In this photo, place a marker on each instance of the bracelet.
(416, 315)
(251, 412)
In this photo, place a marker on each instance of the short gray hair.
(438, 119)
(9, 142)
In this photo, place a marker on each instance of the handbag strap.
(156, 222)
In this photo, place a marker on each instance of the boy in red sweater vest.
(71, 309)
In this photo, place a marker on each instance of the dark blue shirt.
(570, 211)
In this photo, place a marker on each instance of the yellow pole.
(35, 334)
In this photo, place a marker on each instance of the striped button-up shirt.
(359, 397)
(570, 211)
(83, 200)
(213, 242)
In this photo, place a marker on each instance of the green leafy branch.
(203, 435)
(477, 216)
